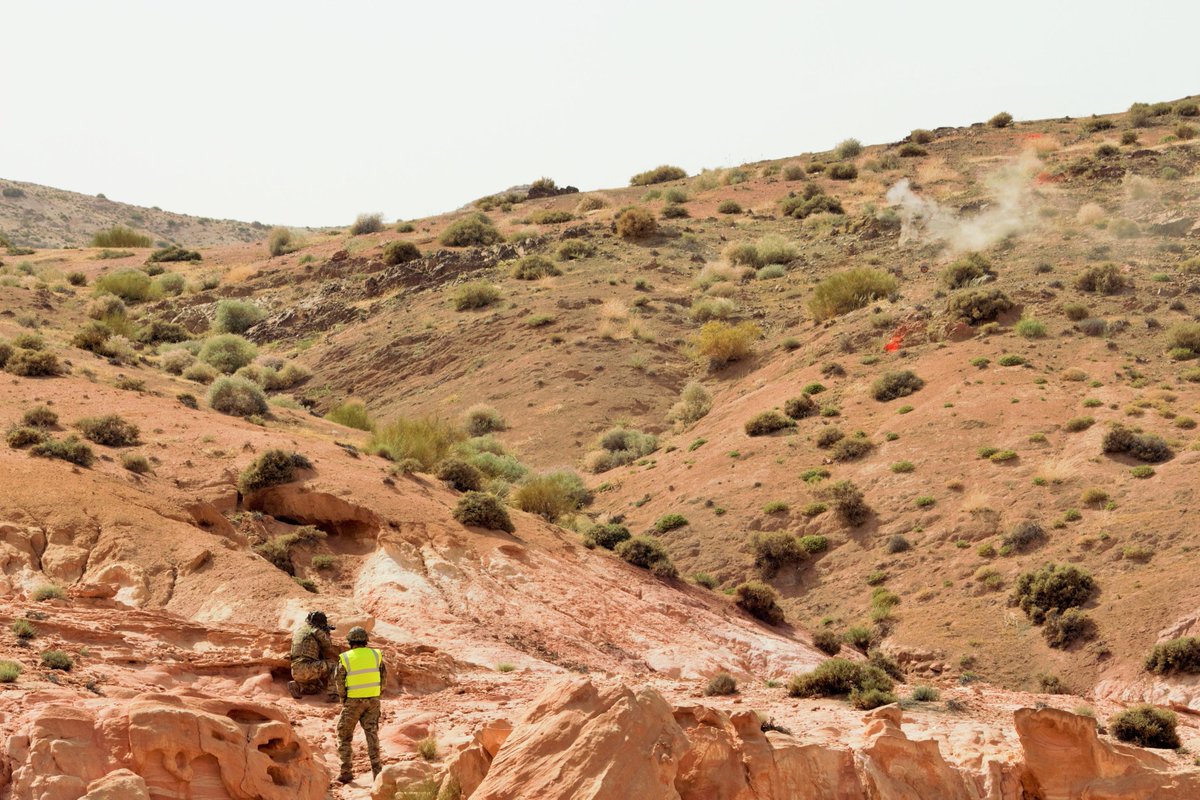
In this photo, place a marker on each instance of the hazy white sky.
(308, 113)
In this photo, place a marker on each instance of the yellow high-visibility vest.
(362, 672)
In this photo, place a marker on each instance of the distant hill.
(40, 216)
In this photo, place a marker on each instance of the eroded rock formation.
(160, 746)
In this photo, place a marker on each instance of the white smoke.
(1011, 209)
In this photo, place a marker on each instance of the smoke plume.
(1010, 210)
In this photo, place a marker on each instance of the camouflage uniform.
(356, 711)
(314, 659)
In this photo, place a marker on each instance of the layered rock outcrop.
(584, 741)
(160, 746)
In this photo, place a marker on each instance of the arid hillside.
(40, 216)
(926, 406)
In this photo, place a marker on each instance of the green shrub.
(482, 510)
(552, 496)
(1029, 328)
(70, 449)
(871, 698)
(1052, 588)
(813, 543)
(800, 407)
(352, 414)
(459, 475)
(109, 430)
(23, 629)
(851, 448)
(200, 373)
(1077, 424)
(839, 677)
(767, 422)
(549, 216)
(911, 150)
(1185, 336)
(481, 419)
(669, 522)
(675, 211)
(272, 468)
(1147, 726)
(924, 694)
(1102, 279)
(574, 249)
(694, 403)
(136, 463)
(1177, 655)
(619, 446)
(1025, 536)
(1142, 446)
(428, 440)
(648, 553)
(846, 291)
(729, 207)
(237, 397)
(280, 242)
(607, 536)
(720, 343)
(24, 436)
(720, 685)
(237, 316)
(827, 642)
(400, 252)
(847, 500)
(119, 236)
(974, 306)
(635, 223)
(1075, 311)
(848, 148)
(39, 417)
(759, 601)
(534, 267)
(475, 294)
(367, 223)
(159, 332)
(473, 229)
(57, 659)
(896, 543)
(171, 254)
(811, 200)
(842, 172)
(227, 352)
(131, 285)
(1064, 628)
(775, 550)
(660, 174)
(859, 637)
(967, 270)
(892, 385)
(47, 591)
(1001, 120)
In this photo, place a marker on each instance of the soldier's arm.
(382, 676)
(328, 651)
(339, 681)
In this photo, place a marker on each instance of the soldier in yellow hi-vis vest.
(359, 679)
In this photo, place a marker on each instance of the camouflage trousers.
(362, 711)
(313, 676)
